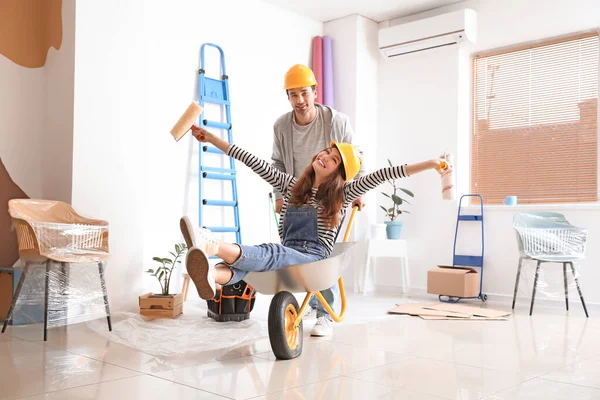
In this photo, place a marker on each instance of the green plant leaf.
(162, 273)
(177, 248)
(150, 271)
(384, 209)
(405, 212)
(397, 199)
(391, 210)
(408, 192)
(389, 162)
(173, 254)
(386, 195)
(157, 259)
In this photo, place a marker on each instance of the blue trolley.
(468, 260)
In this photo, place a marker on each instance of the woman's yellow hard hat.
(350, 158)
(299, 76)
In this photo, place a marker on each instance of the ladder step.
(211, 149)
(222, 228)
(469, 217)
(214, 124)
(468, 261)
(218, 170)
(219, 203)
(208, 99)
(219, 177)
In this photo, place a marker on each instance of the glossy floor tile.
(347, 389)
(371, 355)
(439, 378)
(338, 358)
(247, 377)
(584, 373)
(139, 387)
(29, 368)
(547, 390)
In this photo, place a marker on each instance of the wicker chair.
(548, 237)
(52, 232)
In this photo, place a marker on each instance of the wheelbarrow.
(285, 316)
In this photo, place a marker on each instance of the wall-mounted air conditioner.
(429, 33)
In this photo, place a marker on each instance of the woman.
(310, 215)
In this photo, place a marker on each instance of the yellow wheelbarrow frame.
(285, 317)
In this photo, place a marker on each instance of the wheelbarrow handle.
(349, 228)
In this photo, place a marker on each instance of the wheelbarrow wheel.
(286, 341)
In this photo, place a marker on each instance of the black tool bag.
(232, 302)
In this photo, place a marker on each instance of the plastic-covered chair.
(549, 237)
(52, 232)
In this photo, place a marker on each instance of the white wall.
(36, 112)
(22, 116)
(57, 132)
(422, 112)
(355, 62)
(135, 73)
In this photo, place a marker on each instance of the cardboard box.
(453, 281)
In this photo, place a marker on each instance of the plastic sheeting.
(550, 283)
(54, 230)
(74, 294)
(549, 237)
(191, 332)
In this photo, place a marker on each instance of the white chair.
(52, 232)
(548, 237)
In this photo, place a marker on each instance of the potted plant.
(164, 304)
(393, 226)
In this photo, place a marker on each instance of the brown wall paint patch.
(28, 28)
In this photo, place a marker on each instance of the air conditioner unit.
(429, 33)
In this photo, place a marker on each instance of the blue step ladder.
(216, 91)
(468, 260)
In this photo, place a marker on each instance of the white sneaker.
(200, 238)
(201, 273)
(310, 312)
(323, 327)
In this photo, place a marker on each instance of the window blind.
(535, 121)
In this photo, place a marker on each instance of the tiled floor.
(372, 355)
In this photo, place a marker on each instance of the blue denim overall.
(300, 246)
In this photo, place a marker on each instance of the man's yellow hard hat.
(350, 158)
(299, 76)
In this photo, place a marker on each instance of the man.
(300, 134)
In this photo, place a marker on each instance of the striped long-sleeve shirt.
(285, 182)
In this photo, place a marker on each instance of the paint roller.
(189, 117)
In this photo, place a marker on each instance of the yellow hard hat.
(350, 158)
(299, 76)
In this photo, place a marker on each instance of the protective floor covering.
(191, 332)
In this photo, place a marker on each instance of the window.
(535, 122)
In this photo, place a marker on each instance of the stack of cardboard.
(449, 311)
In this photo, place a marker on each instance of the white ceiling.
(377, 10)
